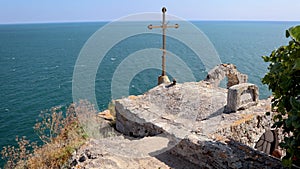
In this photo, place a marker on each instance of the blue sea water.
(37, 63)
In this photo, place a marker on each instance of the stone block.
(163, 79)
(241, 96)
(130, 124)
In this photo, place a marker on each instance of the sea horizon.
(38, 59)
(108, 21)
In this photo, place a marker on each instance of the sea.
(37, 63)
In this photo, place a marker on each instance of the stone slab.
(241, 96)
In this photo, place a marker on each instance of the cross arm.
(163, 26)
(152, 26)
(173, 26)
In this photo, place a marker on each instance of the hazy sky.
(20, 11)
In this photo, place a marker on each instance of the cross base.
(163, 79)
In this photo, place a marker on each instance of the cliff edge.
(189, 125)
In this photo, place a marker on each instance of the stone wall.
(229, 155)
(246, 130)
(231, 145)
(128, 126)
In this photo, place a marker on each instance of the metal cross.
(164, 26)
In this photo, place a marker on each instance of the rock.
(231, 154)
(74, 163)
(268, 143)
(119, 152)
(82, 158)
(88, 154)
(217, 74)
(106, 115)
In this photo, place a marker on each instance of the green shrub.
(283, 79)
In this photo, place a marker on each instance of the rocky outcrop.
(106, 115)
(223, 141)
(184, 126)
(190, 117)
(220, 72)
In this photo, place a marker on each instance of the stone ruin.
(220, 72)
(241, 95)
(189, 125)
(197, 119)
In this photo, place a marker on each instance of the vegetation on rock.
(283, 79)
(61, 132)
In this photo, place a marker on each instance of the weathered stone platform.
(172, 109)
(189, 125)
(191, 117)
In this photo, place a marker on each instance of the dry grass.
(112, 110)
(62, 133)
(244, 118)
(91, 124)
(16, 156)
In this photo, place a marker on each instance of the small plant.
(17, 156)
(87, 117)
(50, 124)
(62, 133)
(112, 110)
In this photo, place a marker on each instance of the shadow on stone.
(217, 113)
(174, 161)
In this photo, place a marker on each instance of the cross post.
(163, 78)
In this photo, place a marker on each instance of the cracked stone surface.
(191, 115)
(182, 126)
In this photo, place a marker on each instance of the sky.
(37, 11)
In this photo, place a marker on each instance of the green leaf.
(295, 104)
(297, 64)
(287, 162)
(294, 32)
(287, 34)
